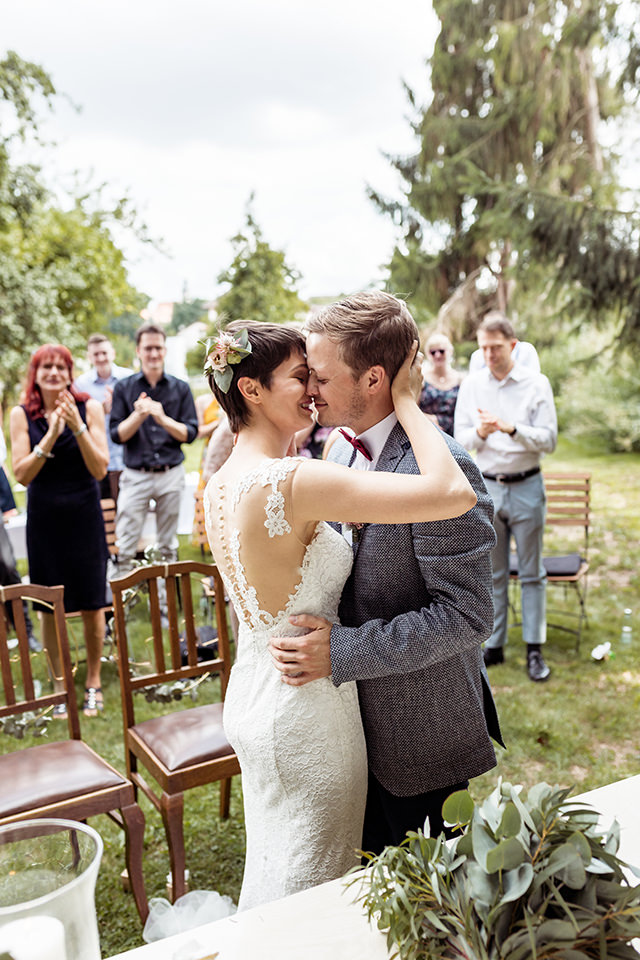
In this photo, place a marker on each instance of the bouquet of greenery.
(528, 878)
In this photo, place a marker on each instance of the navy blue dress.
(65, 530)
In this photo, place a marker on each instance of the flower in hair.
(222, 351)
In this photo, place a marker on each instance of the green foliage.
(186, 313)
(261, 283)
(529, 877)
(509, 173)
(62, 274)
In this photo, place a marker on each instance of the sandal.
(93, 701)
(60, 711)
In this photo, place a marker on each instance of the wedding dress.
(301, 749)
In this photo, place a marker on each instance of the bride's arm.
(328, 491)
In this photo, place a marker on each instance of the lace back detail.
(244, 596)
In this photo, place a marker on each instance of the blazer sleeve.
(455, 611)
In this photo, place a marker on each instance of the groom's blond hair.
(370, 329)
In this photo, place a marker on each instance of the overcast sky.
(189, 106)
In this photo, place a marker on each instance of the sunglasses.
(437, 353)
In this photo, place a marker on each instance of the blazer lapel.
(394, 450)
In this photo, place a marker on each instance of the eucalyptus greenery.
(528, 878)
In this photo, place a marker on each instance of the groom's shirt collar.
(374, 440)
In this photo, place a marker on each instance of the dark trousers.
(387, 817)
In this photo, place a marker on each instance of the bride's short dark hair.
(271, 345)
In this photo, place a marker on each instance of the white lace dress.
(301, 749)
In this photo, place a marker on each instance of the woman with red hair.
(59, 452)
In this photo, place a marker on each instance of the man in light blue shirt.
(98, 383)
(506, 413)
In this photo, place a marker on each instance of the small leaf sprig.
(222, 352)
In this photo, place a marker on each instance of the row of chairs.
(177, 751)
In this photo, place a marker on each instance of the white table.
(324, 924)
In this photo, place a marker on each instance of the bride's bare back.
(253, 539)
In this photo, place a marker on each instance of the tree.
(62, 275)
(185, 313)
(261, 283)
(510, 180)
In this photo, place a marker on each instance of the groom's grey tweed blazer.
(413, 614)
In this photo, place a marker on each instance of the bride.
(301, 748)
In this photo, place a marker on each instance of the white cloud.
(190, 106)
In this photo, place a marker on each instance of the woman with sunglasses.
(441, 382)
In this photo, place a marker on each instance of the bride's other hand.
(305, 658)
(407, 382)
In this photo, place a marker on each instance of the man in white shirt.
(505, 412)
(98, 383)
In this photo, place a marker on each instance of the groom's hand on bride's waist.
(307, 657)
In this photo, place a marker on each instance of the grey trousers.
(137, 489)
(520, 511)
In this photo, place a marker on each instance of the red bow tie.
(356, 444)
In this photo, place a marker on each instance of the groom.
(418, 603)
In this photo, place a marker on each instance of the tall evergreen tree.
(510, 183)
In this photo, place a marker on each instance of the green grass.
(580, 728)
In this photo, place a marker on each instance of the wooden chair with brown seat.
(199, 530)
(63, 778)
(109, 511)
(566, 561)
(187, 747)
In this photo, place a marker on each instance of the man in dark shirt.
(152, 415)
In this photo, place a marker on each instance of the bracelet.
(81, 430)
(42, 454)
(513, 432)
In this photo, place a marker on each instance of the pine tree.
(510, 184)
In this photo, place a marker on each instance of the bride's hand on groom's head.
(305, 658)
(408, 380)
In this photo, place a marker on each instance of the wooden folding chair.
(568, 512)
(64, 778)
(187, 747)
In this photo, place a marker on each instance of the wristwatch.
(513, 432)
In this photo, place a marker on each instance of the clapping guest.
(441, 383)
(60, 452)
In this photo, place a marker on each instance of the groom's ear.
(375, 379)
(250, 389)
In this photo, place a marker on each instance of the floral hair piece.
(222, 352)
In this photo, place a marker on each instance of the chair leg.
(172, 810)
(133, 823)
(225, 797)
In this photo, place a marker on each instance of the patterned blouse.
(442, 403)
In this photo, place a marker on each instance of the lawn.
(580, 728)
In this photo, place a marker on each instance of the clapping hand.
(67, 412)
(146, 407)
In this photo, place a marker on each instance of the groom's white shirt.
(374, 440)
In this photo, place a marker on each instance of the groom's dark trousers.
(387, 818)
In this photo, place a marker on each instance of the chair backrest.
(199, 530)
(163, 653)
(109, 516)
(24, 674)
(569, 501)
